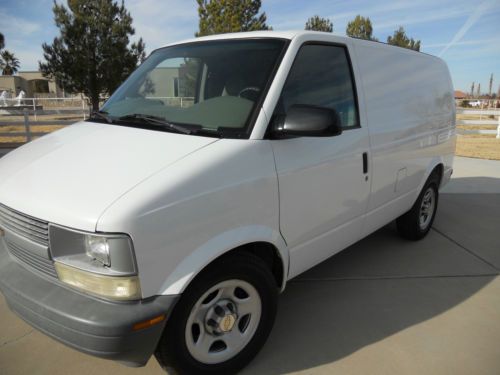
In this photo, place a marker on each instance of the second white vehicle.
(224, 166)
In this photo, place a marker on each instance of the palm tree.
(8, 63)
(2, 41)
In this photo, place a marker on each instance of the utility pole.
(491, 84)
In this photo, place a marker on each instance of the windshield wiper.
(208, 132)
(103, 115)
(156, 121)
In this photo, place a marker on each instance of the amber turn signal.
(149, 323)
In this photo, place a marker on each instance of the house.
(460, 94)
(33, 83)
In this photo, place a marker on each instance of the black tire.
(172, 352)
(409, 226)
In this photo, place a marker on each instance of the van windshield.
(197, 88)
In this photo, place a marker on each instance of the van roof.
(289, 34)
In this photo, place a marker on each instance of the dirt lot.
(478, 146)
(20, 129)
(42, 128)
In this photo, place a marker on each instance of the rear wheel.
(222, 319)
(416, 223)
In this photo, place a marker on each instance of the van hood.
(71, 176)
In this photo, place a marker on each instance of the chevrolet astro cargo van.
(224, 166)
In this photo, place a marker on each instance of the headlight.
(97, 248)
(101, 264)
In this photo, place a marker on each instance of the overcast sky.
(466, 34)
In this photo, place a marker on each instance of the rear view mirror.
(307, 121)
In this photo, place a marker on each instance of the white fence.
(45, 108)
(48, 110)
(76, 107)
(29, 128)
(478, 112)
(484, 119)
(73, 102)
(40, 106)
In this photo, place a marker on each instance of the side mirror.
(307, 121)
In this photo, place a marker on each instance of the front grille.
(39, 263)
(33, 229)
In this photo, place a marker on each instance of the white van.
(223, 167)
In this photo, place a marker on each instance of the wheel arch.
(435, 166)
(438, 170)
(264, 242)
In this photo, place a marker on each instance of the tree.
(228, 16)
(2, 41)
(400, 39)
(478, 93)
(472, 89)
(9, 63)
(318, 23)
(360, 27)
(92, 53)
(491, 84)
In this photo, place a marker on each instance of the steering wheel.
(252, 90)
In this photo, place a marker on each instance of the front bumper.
(88, 324)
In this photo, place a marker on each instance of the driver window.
(321, 76)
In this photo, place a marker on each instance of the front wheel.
(222, 319)
(416, 223)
